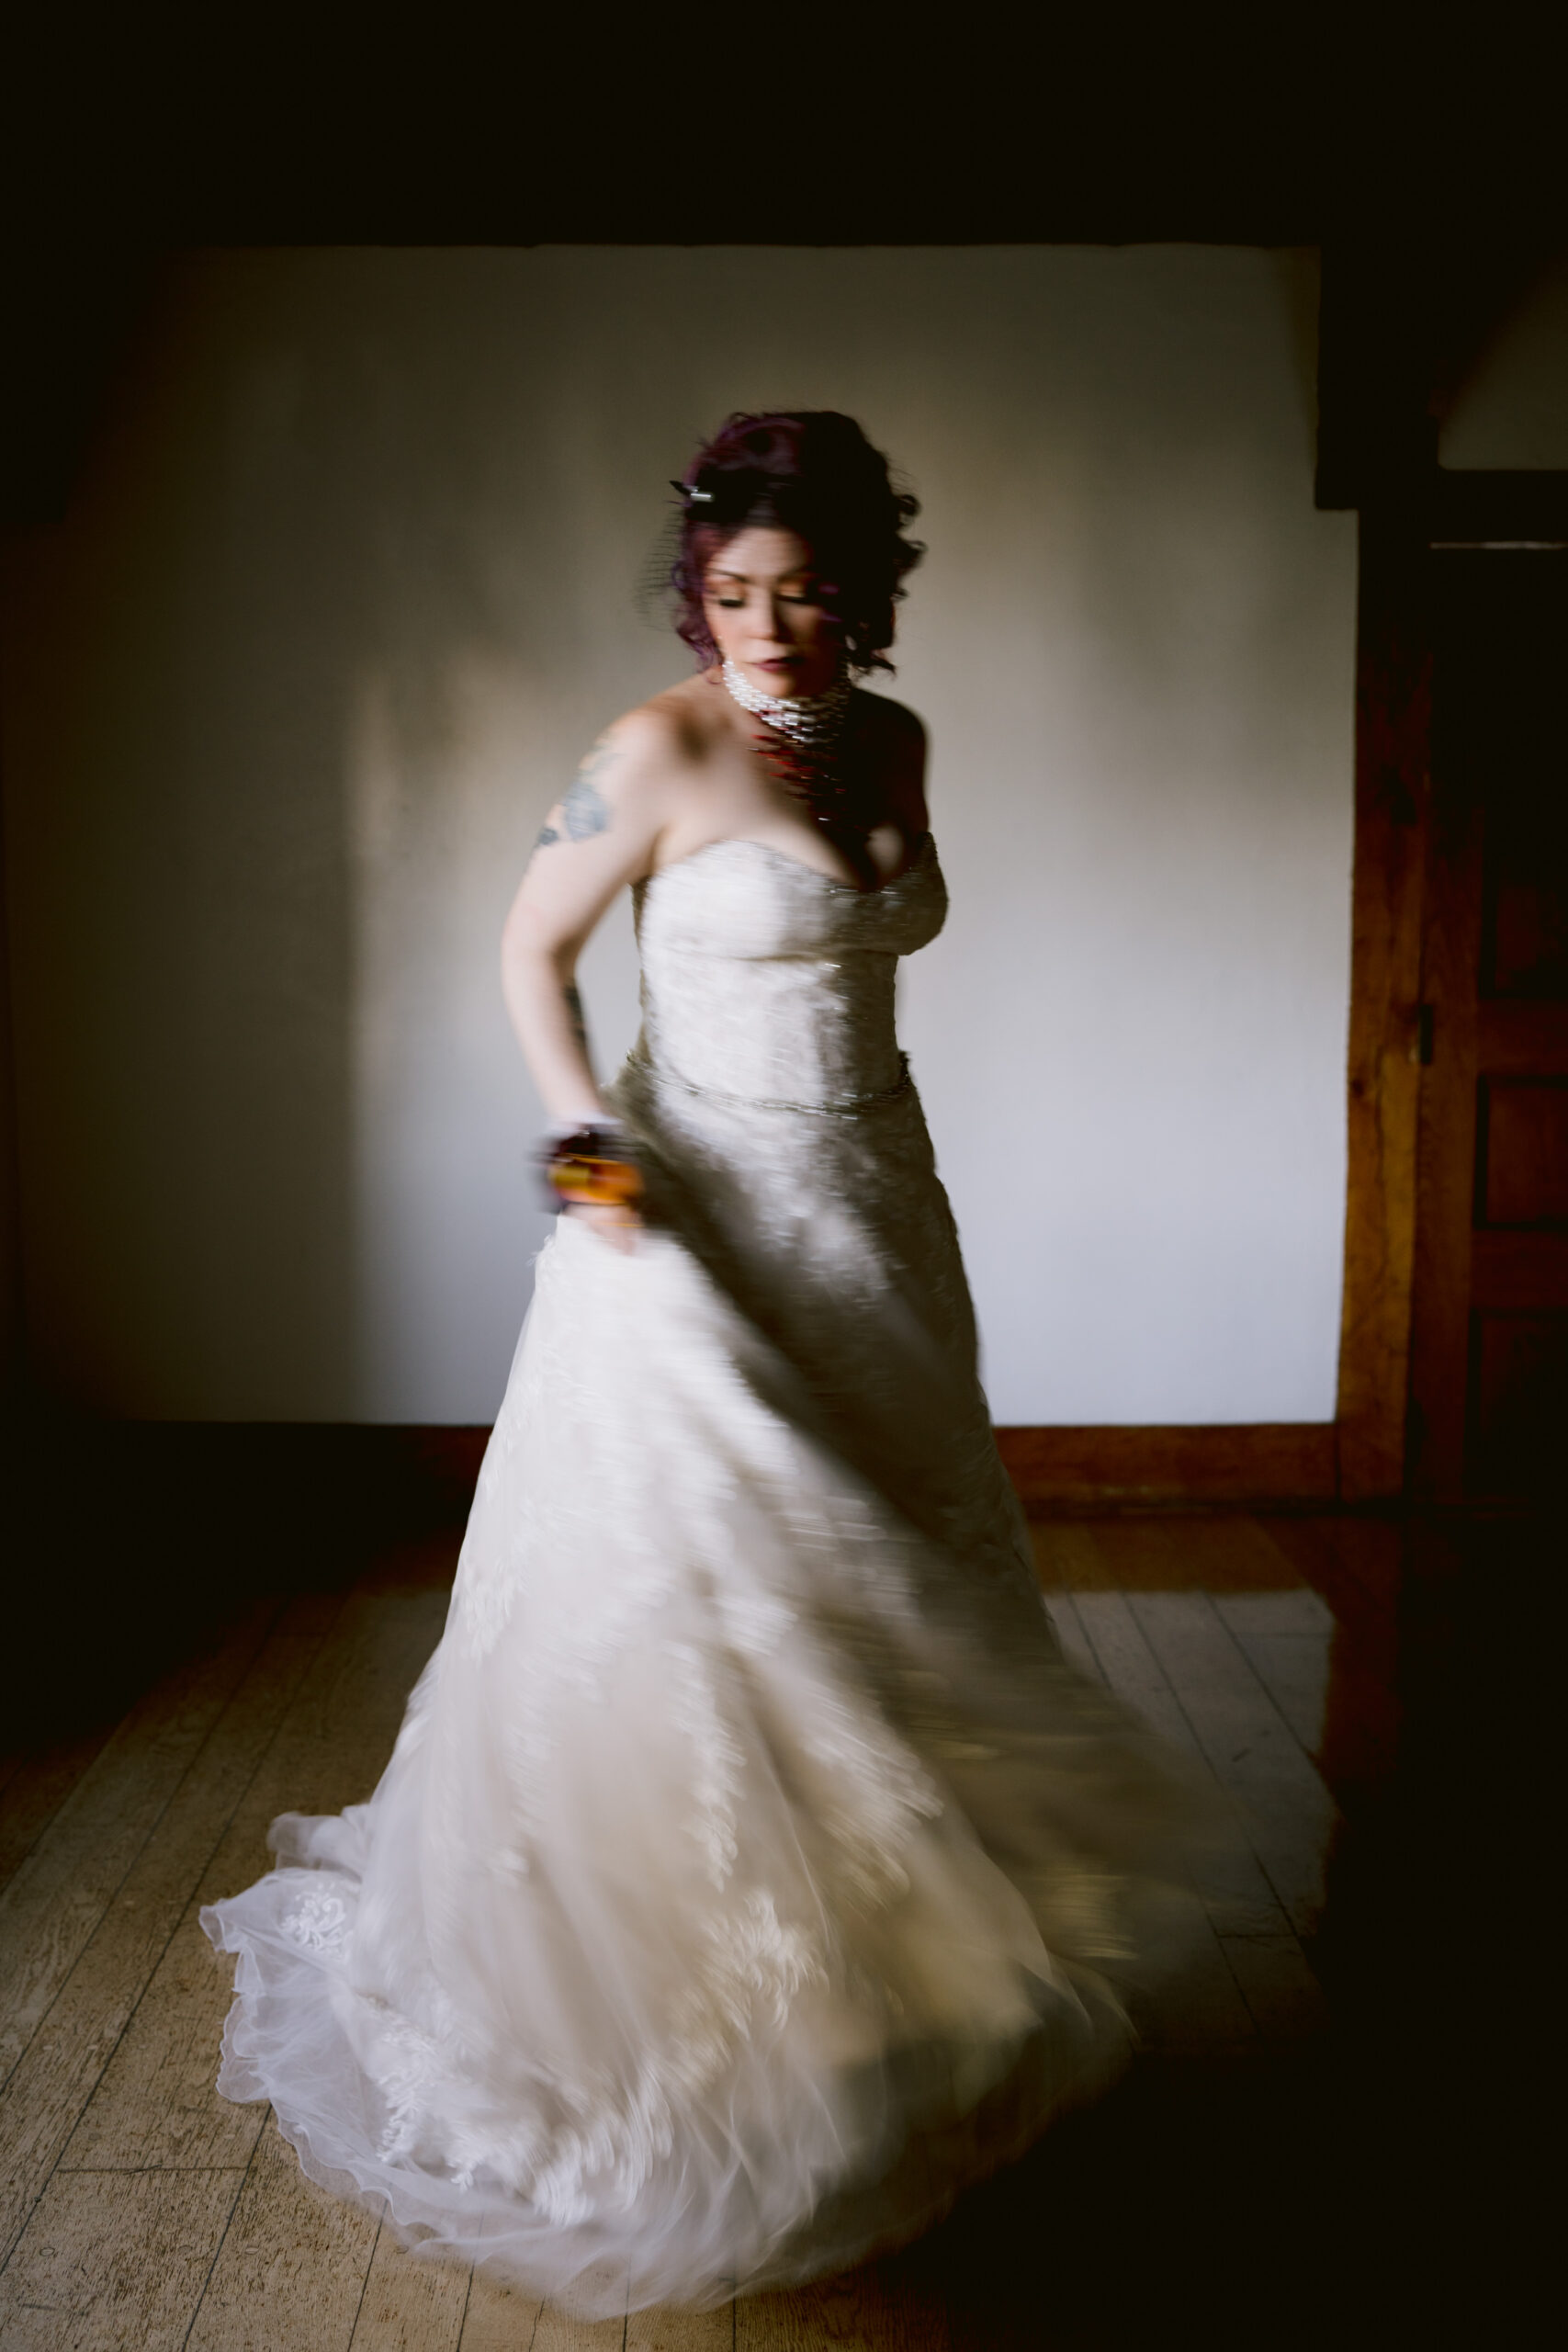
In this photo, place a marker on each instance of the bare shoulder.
(898, 739)
(678, 726)
(640, 756)
(643, 740)
(897, 722)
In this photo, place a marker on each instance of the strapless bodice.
(768, 981)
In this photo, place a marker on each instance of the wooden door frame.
(1394, 698)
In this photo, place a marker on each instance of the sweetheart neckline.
(832, 881)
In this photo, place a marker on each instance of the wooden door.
(1489, 1352)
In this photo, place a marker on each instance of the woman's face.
(758, 597)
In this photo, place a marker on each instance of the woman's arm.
(600, 836)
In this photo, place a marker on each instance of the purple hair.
(813, 472)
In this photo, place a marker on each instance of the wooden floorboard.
(1290, 1818)
(1234, 1987)
(77, 2036)
(872, 2309)
(339, 1729)
(113, 2261)
(1175, 1578)
(410, 2304)
(497, 2317)
(558, 2331)
(290, 2270)
(1209, 1552)
(1354, 1563)
(55, 1901)
(141, 2209)
(667, 2331)
(1285, 1638)
(1204, 2007)
(36, 1787)
(1062, 1610)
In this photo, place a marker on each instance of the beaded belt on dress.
(845, 1107)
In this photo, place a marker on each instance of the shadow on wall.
(307, 520)
(278, 504)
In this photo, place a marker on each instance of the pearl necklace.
(812, 722)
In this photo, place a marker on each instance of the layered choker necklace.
(810, 721)
(801, 742)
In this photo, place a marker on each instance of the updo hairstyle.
(813, 472)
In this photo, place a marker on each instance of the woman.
(750, 1872)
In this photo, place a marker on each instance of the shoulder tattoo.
(584, 811)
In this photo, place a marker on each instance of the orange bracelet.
(587, 1167)
(610, 1184)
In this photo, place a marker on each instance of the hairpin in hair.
(692, 497)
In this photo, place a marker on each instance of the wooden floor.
(1220, 2195)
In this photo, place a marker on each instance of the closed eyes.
(735, 604)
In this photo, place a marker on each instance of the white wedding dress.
(750, 1872)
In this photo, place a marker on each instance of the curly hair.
(811, 471)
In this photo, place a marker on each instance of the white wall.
(350, 585)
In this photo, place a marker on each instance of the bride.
(750, 1872)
